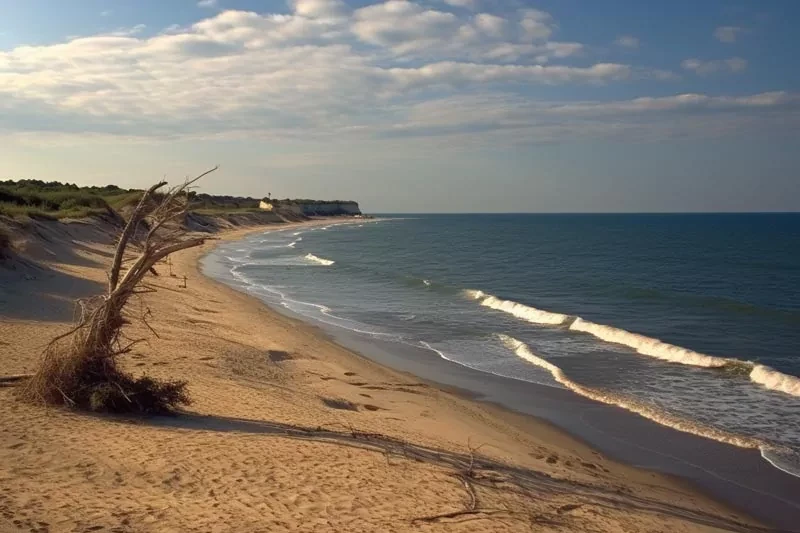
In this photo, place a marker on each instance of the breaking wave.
(319, 260)
(522, 351)
(521, 311)
(648, 346)
(761, 374)
(772, 379)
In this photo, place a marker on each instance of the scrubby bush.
(53, 199)
(5, 243)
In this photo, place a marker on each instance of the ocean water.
(692, 321)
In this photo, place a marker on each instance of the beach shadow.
(483, 472)
(38, 292)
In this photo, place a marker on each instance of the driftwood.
(14, 379)
(79, 368)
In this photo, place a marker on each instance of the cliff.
(310, 208)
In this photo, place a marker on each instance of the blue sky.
(437, 105)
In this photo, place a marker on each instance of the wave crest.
(649, 346)
(522, 351)
(772, 379)
(761, 374)
(319, 260)
(521, 311)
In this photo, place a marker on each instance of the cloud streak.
(627, 41)
(705, 68)
(728, 34)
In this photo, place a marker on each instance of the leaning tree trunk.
(79, 368)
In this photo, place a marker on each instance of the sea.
(689, 320)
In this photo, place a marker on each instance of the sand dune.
(288, 432)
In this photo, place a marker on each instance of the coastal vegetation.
(56, 200)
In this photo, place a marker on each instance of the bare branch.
(130, 227)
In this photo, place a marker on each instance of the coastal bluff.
(311, 208)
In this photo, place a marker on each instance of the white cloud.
(451, 74)
(627, 41)
(536, 25)
(728, 34)
(561, 50)
(320, 8)
(403, 25)
(491, 25)
(321, 70)
(466, 4)
(207, 3)
(687, 101)
(704, 68)
(106, 13)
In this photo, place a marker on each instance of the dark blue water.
(690, 320)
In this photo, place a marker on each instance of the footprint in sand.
(276, 356)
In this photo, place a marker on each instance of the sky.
(413, 106)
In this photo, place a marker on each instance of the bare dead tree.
(79, 368)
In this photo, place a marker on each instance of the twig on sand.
(481, 513)
(14, 379)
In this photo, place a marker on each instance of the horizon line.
(587, 213)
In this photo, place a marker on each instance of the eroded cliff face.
(318, 208)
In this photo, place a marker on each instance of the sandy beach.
(288, 431)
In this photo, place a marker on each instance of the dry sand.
(288, 431)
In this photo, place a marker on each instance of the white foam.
(475, 295)
(783, 459)
(649, 346)
(521, 311)
(319, 260)
(772, 379)
(629, 404)
(521, 350)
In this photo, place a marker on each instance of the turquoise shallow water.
(692, 321)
